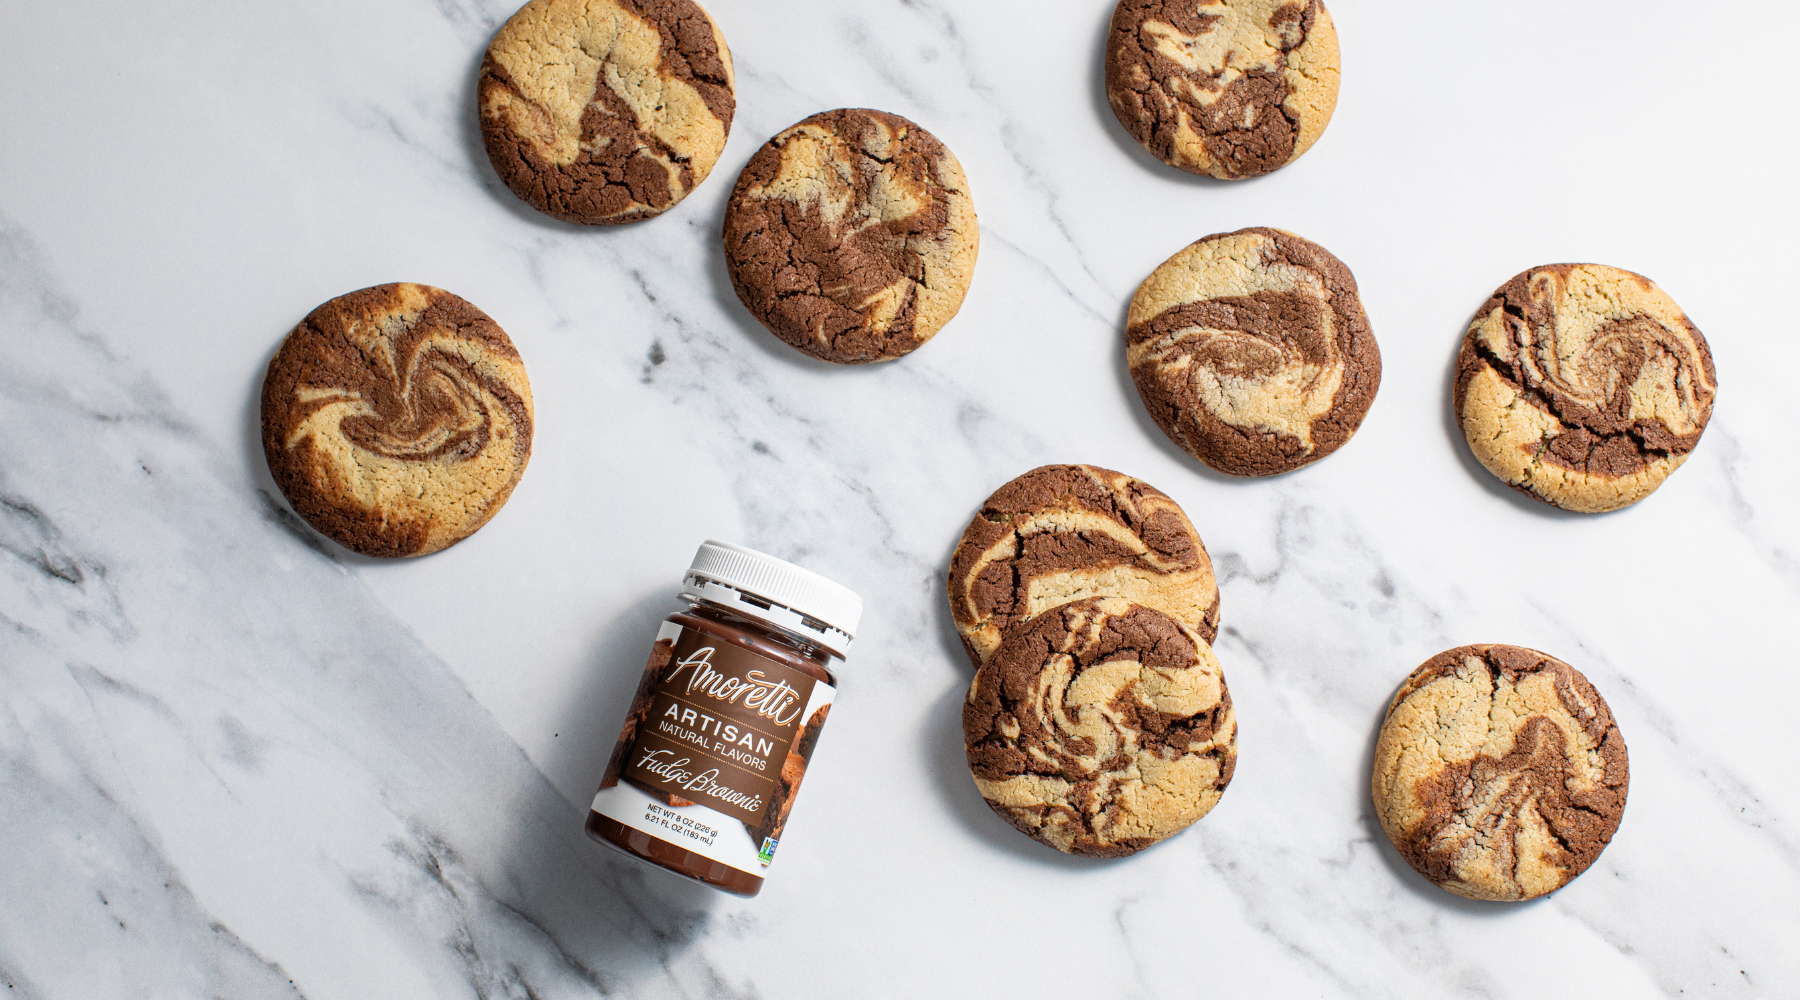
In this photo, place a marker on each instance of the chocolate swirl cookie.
(1583, 385)
(606, 111)
(1062, 533)
(851, 236)
(1228, 88)
(1252, 352)
(1499, 772)
(397, 419)
(1100, 728)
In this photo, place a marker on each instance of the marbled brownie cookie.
(1252, 352)
(606, 111)
(851, 236)
(1100, 728)
(1499, 772)
(1583, 385)
(397, 419)
(1062, 533)
(1227, 88)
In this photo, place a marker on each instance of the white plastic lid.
(776, 591)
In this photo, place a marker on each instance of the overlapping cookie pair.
(850, 235)
(1098, 721)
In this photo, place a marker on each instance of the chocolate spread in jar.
(717, 740)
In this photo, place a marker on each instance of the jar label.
(714, 748)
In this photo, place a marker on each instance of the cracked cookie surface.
(851, 236)
(606, 111)
(1584, 386)
(397, 419)
(1224, 88)
(1062, 533)
(1252, 352)
(1100, 728)
(1499, 772)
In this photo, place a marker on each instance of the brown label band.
(719, 727)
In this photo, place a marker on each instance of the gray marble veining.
(238, 761)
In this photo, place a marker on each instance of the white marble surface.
(238, 761)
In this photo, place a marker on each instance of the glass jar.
(726, 718)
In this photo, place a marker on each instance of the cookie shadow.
(950, 762)
(1459, 444)
(1124, 140)
(608, 918)
(613, 919)
(587, 727)
(1405, 875)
